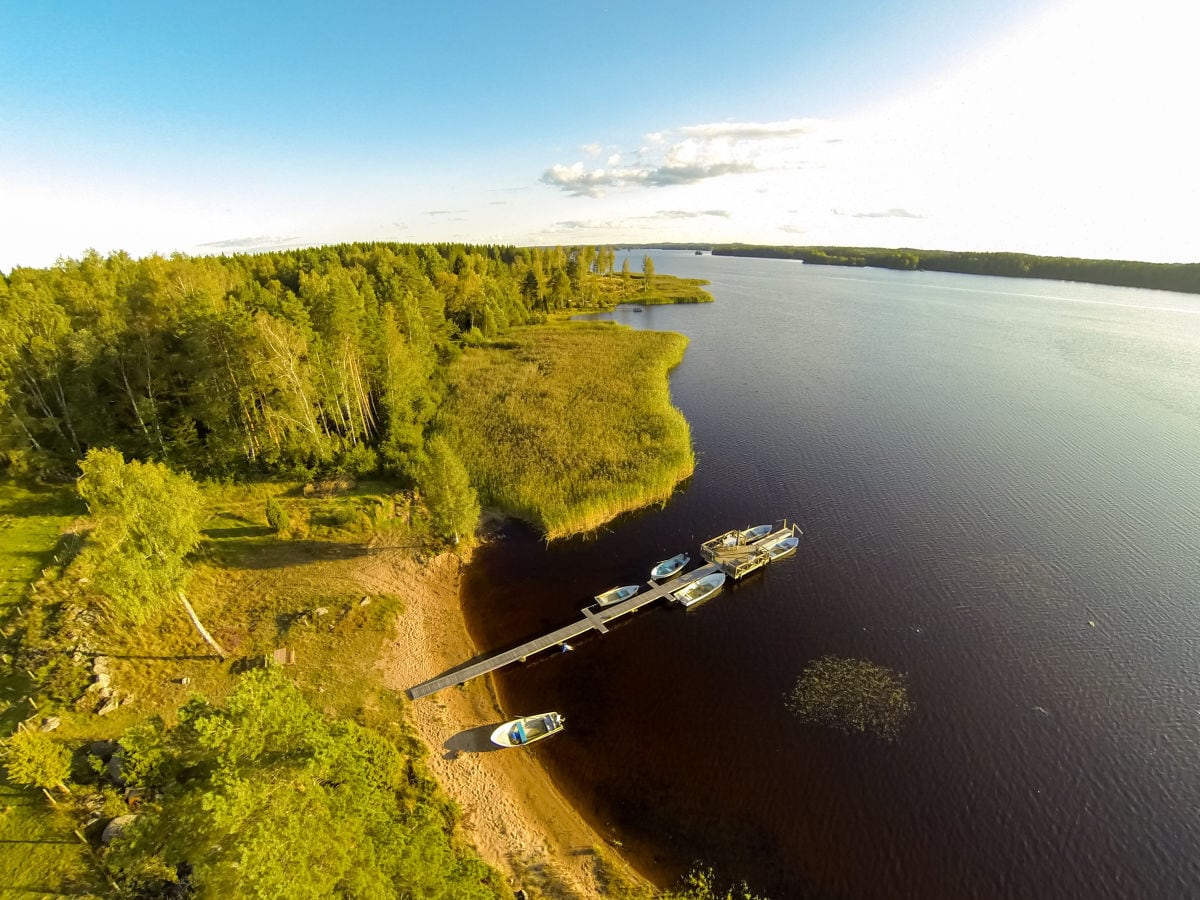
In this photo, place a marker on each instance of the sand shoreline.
(512, 812)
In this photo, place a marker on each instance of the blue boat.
(669, 567)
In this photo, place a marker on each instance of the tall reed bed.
(568, 425)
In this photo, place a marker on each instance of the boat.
(699, 252)
(745, 536)
(669, 567)
(520, 732)
(700, 589)
(617, 594)
(785, 546)
(753, 534)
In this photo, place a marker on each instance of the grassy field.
(39, 855)
(255, 591)
(568, 425)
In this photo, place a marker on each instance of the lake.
(999, 486)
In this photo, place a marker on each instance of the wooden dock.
(595, 618)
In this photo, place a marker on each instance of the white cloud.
(1070, 135)
(743, 131)
(261, 242)
(696, 153)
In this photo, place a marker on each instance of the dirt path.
(512, 812)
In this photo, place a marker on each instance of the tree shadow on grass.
(245, 531)
(42, 503)
(251, 553)
(473, 740)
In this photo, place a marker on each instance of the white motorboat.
(520, 732)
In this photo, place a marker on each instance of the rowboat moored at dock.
(750, 535)
(617, 594)
(669, 567)
(780, 548)
(700, 589)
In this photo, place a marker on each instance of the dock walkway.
(727, 553)
(595, 618)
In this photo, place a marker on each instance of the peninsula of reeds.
(568, 425)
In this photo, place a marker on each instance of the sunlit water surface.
(999, 485)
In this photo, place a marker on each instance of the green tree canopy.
(263, 798)
(648, 271)
(35, 759)
(453, 503)
(146, 521)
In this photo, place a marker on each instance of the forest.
(327, 360)
(1183, 277)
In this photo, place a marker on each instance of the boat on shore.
(669, 567)
(617, 594)
(700, 589)
(528, 729)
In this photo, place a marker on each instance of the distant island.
(1183, 277)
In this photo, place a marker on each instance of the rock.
(109, 705)
(364, 601)
(100, 665)
(50, 723)
(116, 768)
(103, 749)
(103, 681)
(114, 828)
(320, 611)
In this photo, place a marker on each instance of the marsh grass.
(570, 424)
(852, 695)
(663, 289)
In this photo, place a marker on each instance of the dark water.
(983, 469)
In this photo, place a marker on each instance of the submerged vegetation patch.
(852, 695)
(568, 425)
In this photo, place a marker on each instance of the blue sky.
(1050, 126)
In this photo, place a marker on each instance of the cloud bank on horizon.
(1069, 133)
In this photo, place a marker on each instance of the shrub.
(35, 759)
(277, 516)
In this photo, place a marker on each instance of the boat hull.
(700, 590)
(785, 547)
(750, 535)
(527, 730)
(617, 594)
(669, 567)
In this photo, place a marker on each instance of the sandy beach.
(512, 812)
